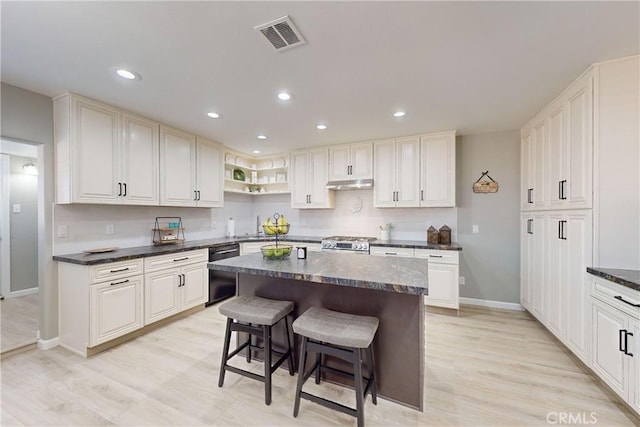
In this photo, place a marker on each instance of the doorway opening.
(19, 244)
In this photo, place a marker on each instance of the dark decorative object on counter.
(445, 234)
(433, 236)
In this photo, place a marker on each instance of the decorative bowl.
(276, 252)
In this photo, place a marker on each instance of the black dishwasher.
(221, 283)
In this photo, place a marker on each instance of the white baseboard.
(493, 304)
(48, 344)
(23, 292)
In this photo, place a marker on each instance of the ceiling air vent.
(281, 33)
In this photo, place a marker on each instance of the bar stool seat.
(255, 316)
(342, 335)
(261, 311)
(337, 328)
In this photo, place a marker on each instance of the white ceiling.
(473, 67)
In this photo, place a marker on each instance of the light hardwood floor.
(18, 322)
(483, 368)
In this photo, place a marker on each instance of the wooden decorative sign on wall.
(485, 186)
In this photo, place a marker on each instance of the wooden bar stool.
(255, 316)
(342, 335)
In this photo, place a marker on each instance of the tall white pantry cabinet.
(580, 199)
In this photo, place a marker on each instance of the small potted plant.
(385, 231)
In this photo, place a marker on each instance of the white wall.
(490, 260)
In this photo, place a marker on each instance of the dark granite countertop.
(416, 244)
(123, 254)
(628, 278)
(402, 275)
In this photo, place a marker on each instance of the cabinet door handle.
(421, 195)
(529, 226)
(119, 270)
(199, 196)
(622, 334)
(619, 298)
(119, 189)
(184, 279)
(559, 229)
(391, 253)
(179, 280)
(626, 344)
(435, 256)
(564, 235)
(119, 283)
(562, 188)
(180, 259)
(530, 195)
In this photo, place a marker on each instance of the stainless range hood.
(351, 184)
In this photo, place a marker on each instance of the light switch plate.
(63, 231)
(476, 229)
(17, 208)
(110, 229)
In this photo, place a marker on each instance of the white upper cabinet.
(140, 170)
(309, 176)
(191, 170)
(209, 174)
(396, 173)
(570, 147)
(178, 166)
(103, 154)
(353, 161)
(437, 170)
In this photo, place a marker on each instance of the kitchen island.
(390, 289)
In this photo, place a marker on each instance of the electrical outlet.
(461, 280)
(110, 229)
(476, 229)
(63, 231)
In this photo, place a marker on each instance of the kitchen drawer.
(177, 259)
(442, 257)
(390, 251)
(612, 293)
(115, 270)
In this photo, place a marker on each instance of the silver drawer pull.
(119, 270)
(119, 283)
(180, 259)
(618, 297)
(391, 253)
(435, 256)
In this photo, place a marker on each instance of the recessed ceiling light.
(256, 151)
(213, 115)
(126, 74)
(399, 114)
(321, 127)
(284, 96)
(262, 136)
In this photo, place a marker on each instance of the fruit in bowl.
(276, 252)
(280, 227)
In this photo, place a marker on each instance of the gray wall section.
(28, 116)
(490, 260)
(23, 191)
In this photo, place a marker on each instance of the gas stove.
(347, 244)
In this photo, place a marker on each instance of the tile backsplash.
(354, 214)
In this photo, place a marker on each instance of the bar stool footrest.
(329, 404)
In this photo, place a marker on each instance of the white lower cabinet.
(616, 338)
(444, 273)
(175, 283)
(99, 303)
(444, 277)
(115, 309)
